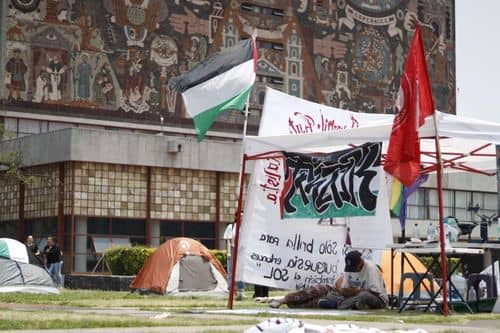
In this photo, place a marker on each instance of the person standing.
(83, 75)
(16, 69)
(33, 251)
(229, 235)
(53, 260)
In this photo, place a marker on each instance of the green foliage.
(221, 255)
(11, 161)
(436, 270)
(127, 260)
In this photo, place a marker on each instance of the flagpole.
(245, 124)
(441, 217)
(239, 192)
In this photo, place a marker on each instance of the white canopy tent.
(466, 144)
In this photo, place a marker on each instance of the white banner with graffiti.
(339, 184)
(296, 253)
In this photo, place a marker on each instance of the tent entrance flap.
(195, 274)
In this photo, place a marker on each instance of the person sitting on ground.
(360, 287)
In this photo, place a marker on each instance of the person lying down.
(361, 287)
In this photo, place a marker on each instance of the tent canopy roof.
(466, 144)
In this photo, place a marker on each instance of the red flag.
(414, 104)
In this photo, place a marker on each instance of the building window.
(423, 204)
(94, 235)
(294, 68)
(204, 232)
(40, 229)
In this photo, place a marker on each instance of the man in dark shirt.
(33, 252)
(53, 259)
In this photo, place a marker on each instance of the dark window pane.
(209, 243)
(128, 227)
(199, 230)
(41, 228)
(170, 229)
(98, 225)
(9, 229)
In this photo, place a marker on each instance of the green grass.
(20, 320)
(38, 312)
(391, 316)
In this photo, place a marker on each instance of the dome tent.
(17, 276)
(181, 266)
(14, 250)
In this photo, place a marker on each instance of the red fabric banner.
(414, 104)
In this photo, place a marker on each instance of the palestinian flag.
(221, 82)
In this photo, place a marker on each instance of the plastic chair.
(415, 277)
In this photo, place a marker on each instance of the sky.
(478, 59)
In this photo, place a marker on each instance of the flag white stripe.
(219, 89)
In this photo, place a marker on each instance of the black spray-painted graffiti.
(343, 183)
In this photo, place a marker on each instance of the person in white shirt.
(362, 286)
(229, 234)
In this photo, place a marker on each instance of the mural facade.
(112, 59)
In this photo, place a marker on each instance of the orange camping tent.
(385, 263)
(166, 265)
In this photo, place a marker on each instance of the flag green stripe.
(204, 120)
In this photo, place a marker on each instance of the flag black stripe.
(213, 66)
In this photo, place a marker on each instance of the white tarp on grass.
(289, 325)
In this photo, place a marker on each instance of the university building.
(84, 98)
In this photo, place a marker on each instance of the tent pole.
(444, 273)
(237, 233)
(245, 124)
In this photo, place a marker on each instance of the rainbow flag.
(396, 197)
(400, 195)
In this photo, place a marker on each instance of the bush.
(127, 260)
(221, 255)
(436, 270)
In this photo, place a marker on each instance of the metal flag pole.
(439, 162)
(237, 233)
(241, 180)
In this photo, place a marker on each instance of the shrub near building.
(129, 260)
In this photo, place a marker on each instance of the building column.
(80, 262)
(155, 233)
(21, 230)
(217, 209)
(148, 207)
(60, 206)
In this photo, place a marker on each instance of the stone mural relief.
(113, 58)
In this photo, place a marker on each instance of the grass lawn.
(42, 315)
